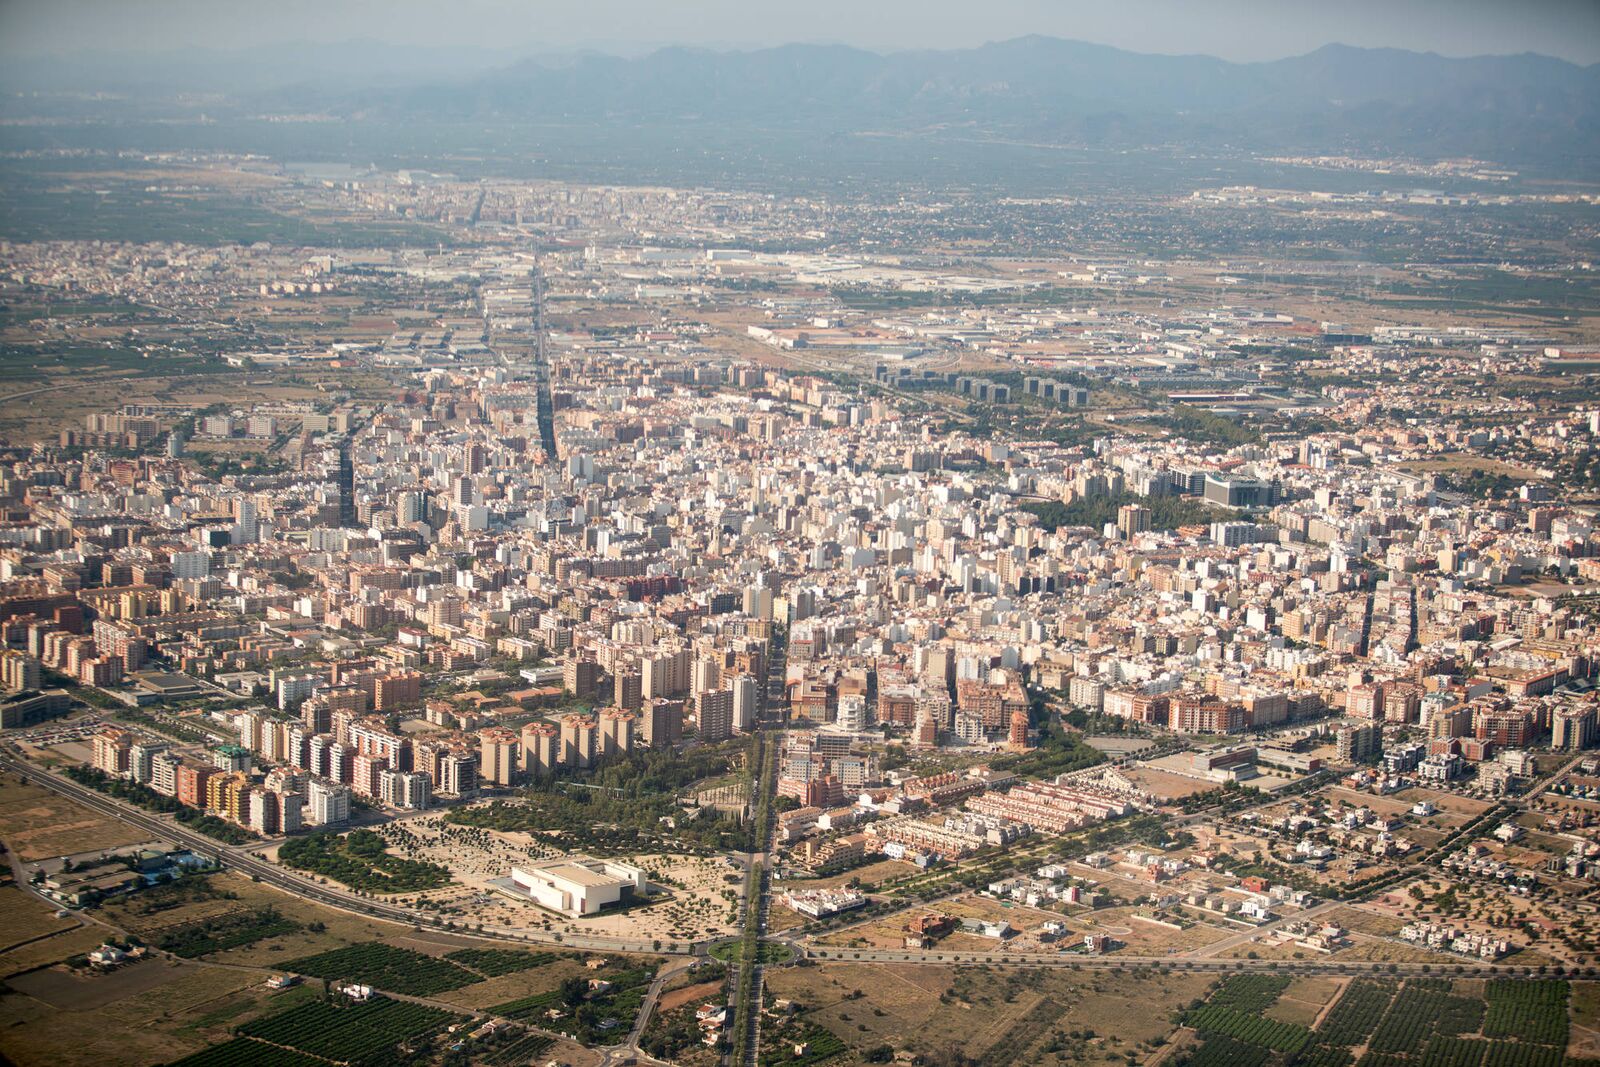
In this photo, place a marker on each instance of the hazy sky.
(1233, 29)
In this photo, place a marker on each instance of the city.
(452, 616)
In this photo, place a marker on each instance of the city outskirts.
(920, 552)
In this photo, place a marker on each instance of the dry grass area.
(151, 1013)
(50, 950)
(231, 893)
(1305, 1000)
(868, 876)
(1583, 1010)
(512, 986)
(1461, 461)
(1012, 1016)
(24, 917)
(37, 824)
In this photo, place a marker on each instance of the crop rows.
(1356, 1014)
(1454, 1052)
(527, 1007)
(350, 1032)
(523, 1050)
(1324, 1056)
(1384, 1059)
(1510, 1054)
(495, 962)
(225, 932)
(1221, 1050)
(396, 970)
(1411, 1021)
(1249, 993)
(1253, 1029)
(242, 1052)
(1527, 1010)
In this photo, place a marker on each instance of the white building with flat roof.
(580, 885)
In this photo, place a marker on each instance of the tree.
(574, 990)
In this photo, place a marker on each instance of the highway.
(546, 406)
(1119, 961)
(240, 859)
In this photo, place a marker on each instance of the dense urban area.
(461, 619)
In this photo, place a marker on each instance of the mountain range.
(1519, 110)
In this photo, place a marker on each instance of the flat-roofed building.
(580, 885)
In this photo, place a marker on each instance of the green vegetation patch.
(243, 1052)
(1166, 512)
(225, 932)
(395, 970)
(348, 1033)
(1357, 1013)
(1250, 993)
(359, 861)
(1528, 1010)
(617, 810)
(1251, 1029)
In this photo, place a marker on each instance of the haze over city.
(762, 535)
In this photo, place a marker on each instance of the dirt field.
(37, 824)
(151, 1012)
(1305, 1000)
(689, 995)
(1011, 1018)
(24, 917)
(868, 876)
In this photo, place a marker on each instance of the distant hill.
(1336, 99)
(1526, 109)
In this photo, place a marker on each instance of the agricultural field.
(24, 917)
(225, 932)
(154, 1012)
(348, 1031)
(1010, 1015)
(163, 911)
(582, 1012)
(1417, 1021)
(386, 967)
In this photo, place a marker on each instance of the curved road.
(304, 886)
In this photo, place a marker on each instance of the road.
(629, 1051)
(241, 859)
(545, 405)
(1119, 961)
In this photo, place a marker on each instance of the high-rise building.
(746, 702)
(714, 716)
(497, 755)
(330, 803)
(347, 486)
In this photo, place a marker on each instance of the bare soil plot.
(1305, 1000)
(67, 990)
(24, 917)
(37, 824)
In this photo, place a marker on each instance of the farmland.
(225, 932)
(1421, 1021)
(497, 962)
(396, 970)
(346, 1032)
